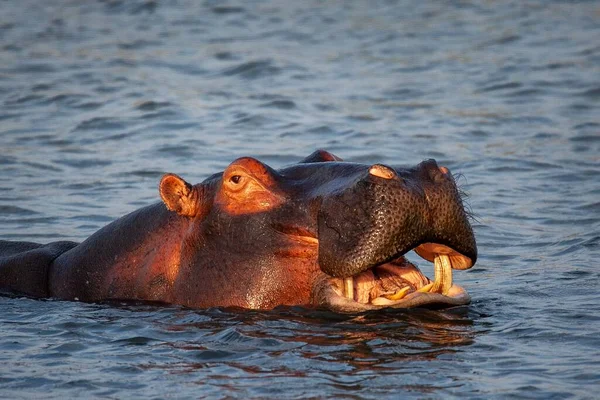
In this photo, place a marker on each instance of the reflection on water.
(99, 99)
(283, 352)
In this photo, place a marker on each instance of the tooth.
(398, 295)
(443, 274)
(426, 288)
(349, 287)
(382, 301)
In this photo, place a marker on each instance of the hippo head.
(321, 232)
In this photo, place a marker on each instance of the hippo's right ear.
(178, 195)
(320, 156)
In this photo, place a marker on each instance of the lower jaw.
(329, 292)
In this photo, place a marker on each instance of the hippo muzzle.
(365, 229)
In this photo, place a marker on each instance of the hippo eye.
(236, 179)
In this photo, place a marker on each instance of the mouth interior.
(390, 283)
(396, 282)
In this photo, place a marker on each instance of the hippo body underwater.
(322, 232)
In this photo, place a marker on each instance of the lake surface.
(100, 98)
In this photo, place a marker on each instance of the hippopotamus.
(319, 233)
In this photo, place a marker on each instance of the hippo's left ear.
(178, 195)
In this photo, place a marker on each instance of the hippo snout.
(389, 211)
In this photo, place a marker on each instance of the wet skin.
(321, 232)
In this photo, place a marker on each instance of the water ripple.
(253, 69)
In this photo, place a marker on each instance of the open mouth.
(398, 284)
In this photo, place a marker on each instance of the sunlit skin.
(322, 232)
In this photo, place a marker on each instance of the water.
(99, 99)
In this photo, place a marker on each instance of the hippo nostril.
(438, 174)
(382, 171)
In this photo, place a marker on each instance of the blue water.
(99, 99)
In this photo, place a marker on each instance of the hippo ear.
(320, 156)
(177, 195)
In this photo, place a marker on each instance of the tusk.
(349, 287)
(426, 288)
(399, 294)
(382, 301)
(443, 274)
